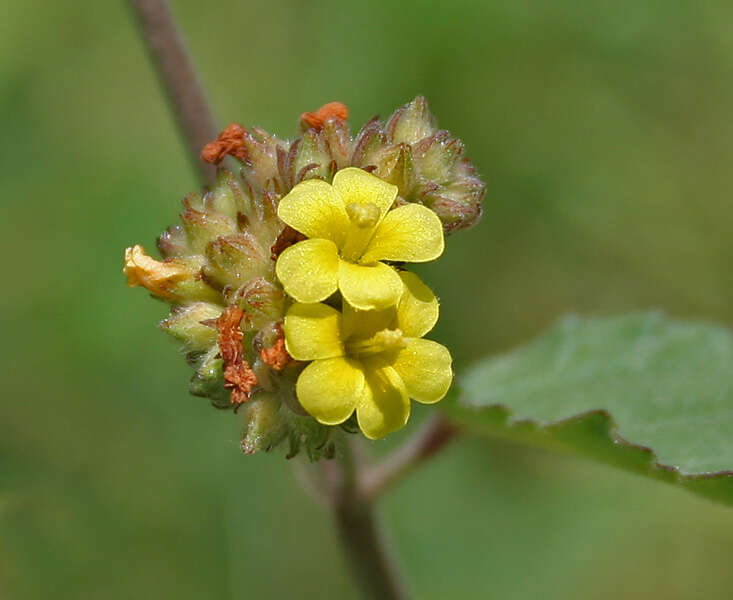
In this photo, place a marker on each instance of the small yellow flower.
(352, 230)
(369, 361)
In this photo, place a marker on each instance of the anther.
(363, 215)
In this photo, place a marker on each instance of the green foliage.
(642, 392)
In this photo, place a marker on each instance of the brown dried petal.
(316, 120)
(238, 375)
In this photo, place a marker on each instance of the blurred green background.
(603, 131)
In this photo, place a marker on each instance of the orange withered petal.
(332, 110)
(230, 141)
(156, 276)
(238, 375)
(276, 356)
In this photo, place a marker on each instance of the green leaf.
(643, 392)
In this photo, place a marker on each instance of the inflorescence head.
(286, 283)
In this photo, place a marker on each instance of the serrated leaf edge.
(563, 435)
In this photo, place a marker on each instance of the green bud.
(261, 165)
(191, 325)
(369, 143)
(204, 227)
(208, 380)
(226, 197)
(236, 259)
(194, 288)
(337, 141)
(173, 242)
(436, 157)
(264, 425)
(411, 122)
(261, 300)
(307, 158)
(458, 204)
(426, 165)
(394, 165)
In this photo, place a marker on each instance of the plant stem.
(432, 437)
(358, 526)
(178, 78)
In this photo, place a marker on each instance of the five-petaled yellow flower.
(351, 229)
(369, 361)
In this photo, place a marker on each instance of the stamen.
(363, 215)
(382, 341)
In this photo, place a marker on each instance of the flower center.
(363, 215)
(364, 218)
(382, 341)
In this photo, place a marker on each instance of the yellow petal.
(387, 406)
(369, 287)
(329, 390)
(315, 209)
(313, 331)
(425, 368)
(308, 270)
(411, 233)
(365, 323)
(356, 186)
(417, 312)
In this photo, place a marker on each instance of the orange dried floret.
(156, 276)
(230, 141)
(238, 375)
(276, 356)
(332, 110)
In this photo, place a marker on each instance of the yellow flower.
(351, 230)
(369, 361)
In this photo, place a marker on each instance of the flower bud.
(235, 259)
(337, 140)
(208, 380)
(173, 242)
(264, 425)
(227, 197)
(262, 301)
(436, 157)
(191, 325)
(395, 165)
(368, 144)
(458, 204)
(260, 149)
(426, 165)
(307, 158)
(204, 227)
(411, 122)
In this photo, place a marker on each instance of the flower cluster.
(287, 284)
(369, 357)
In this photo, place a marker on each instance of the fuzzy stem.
(365, 548)
(426, 442)
(178, 78)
